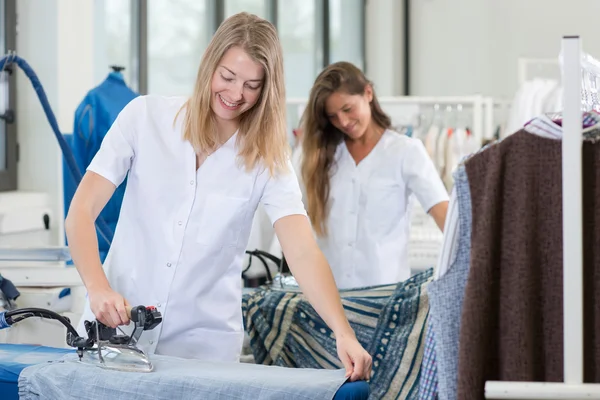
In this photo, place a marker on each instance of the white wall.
(472, 46)
(54, 37)
(385, 46)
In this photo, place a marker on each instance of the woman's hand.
(311, 270)
(355, 358)
(109, 307)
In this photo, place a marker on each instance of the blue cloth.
(8, 289)
(353, 391)
(16, 357)
(389, 321)
(176, 378)
(447, 293)
(93, 118)
(428, 389)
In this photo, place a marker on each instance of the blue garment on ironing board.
(447, 293)
(93, 118)
(14, 358)
(177, 378)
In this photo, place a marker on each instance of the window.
(8, 129)
(114, 40)
(313, 33)
(297, 30)
(346, 31)
(178, 33)
(257, 7)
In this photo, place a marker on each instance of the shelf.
(44, 276)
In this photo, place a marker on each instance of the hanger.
(117, 68)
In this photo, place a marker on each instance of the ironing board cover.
(175, 378)
(16, 357)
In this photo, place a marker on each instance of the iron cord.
(18, 315)
(261, 255)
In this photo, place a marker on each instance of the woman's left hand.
(355, 358)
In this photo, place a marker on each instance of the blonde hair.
(262, 130)
(320, 138)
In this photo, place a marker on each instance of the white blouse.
(182, 233)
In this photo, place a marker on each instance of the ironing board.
(16, 357)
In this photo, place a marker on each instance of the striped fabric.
(389, 322)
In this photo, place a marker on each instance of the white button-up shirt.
(182, 233)
(369, 222)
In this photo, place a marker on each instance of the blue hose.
(103, 228)
(3, 323)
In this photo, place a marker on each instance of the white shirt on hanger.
(369, 222)
(450, 243)
(182, 233)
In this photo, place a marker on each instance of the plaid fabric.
(389, 322)
(428, 388)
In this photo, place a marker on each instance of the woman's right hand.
(109, 307)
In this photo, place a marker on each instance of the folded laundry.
(175, 378)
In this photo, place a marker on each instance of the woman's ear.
(369, 93)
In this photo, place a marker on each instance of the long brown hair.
(320, 138)
(262, 130)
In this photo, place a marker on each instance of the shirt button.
(151, 342)
(191, 182)
(168, 264)
(179, 223)
(158, 305)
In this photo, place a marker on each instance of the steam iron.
(103, 347)
(119, 351)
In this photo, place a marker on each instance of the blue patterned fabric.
(428, 389)
(389, 322)
(446, 296)
(175, 378)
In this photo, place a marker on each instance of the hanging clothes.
(93, 118)
(511, 324)
(451, 275)
(446, 296)
(534, 98)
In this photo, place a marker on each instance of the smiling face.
(236, 84)
(351, 114)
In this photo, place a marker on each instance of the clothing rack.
(574, 60)
(481, 128)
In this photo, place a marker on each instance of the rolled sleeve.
(282, 195)
(421, 176)
(115, 156)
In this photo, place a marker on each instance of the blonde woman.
(197, 169)
(358, 175)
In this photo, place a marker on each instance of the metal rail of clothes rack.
(574, 61)
(481, 106)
